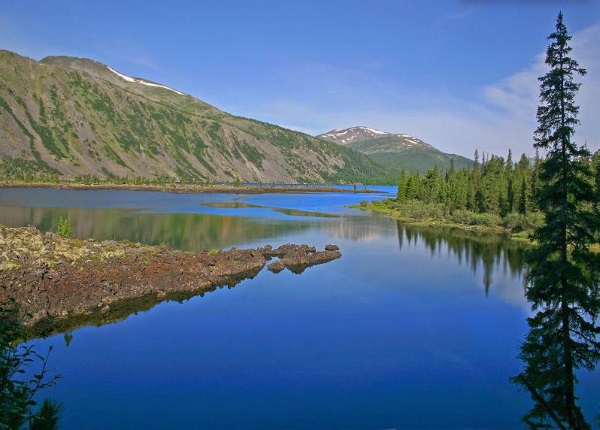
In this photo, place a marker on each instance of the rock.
(331, 247)
(298, 258)
(276, 266)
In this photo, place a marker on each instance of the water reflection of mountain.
(193, 232)
(488, 252)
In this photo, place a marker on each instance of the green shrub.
(19, 383)
(516, 222)
(64, 227)
(420, 211)
(472, 218)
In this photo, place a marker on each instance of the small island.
(60, 283)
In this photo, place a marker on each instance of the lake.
(410, 329)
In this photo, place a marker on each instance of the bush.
(64, 227)
(516, 222)
(421, 211)
(472, 218)
(17, 389)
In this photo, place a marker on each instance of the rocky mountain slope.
(72, 116)
(399, 151)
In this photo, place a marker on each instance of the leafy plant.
(64, 228)
(18, 383)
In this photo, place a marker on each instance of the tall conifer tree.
(562, 278)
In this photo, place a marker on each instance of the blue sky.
(459, 74)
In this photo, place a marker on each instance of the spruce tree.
(562, 280)
(402, 187)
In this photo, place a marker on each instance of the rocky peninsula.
(60, 283)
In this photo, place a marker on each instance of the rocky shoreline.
(194, 189)
(60, 283)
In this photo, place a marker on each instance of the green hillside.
(71, 116)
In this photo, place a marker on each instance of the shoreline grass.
(434, 215)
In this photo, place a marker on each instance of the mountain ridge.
(72, 116)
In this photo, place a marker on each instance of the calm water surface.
(410, 329)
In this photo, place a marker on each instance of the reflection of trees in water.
(360, 229)
(488, 251)
(182, 231)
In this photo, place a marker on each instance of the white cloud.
(517, 95)
(586, 50)
(502, 118)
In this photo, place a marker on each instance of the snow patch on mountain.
(122, 76)
(143, 82)
(372, 130)
(347, 135)
(357, 134)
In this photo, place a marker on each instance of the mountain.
(73, 116)
(397, 151)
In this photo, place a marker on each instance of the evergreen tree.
(402, 187)
(509, 163)
(562, 278)
(413, 186)
(523, 198)
(510, 196)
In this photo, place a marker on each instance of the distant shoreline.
(195, 189)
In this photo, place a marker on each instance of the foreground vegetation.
(23, 374)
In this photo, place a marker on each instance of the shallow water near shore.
(411, 328)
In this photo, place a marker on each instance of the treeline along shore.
(495, 194)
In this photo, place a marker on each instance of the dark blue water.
(409, 329)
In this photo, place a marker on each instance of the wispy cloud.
(587, 52)
(501, 118)
(457, 17)
(517, 95)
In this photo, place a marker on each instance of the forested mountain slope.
(71, 116)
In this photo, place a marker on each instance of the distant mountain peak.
(398, 151)
(347, 136)
(352, 134)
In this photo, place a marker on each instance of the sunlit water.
(409, 329)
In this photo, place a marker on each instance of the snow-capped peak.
(143, 82)
(373, 131)
(351, 134)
